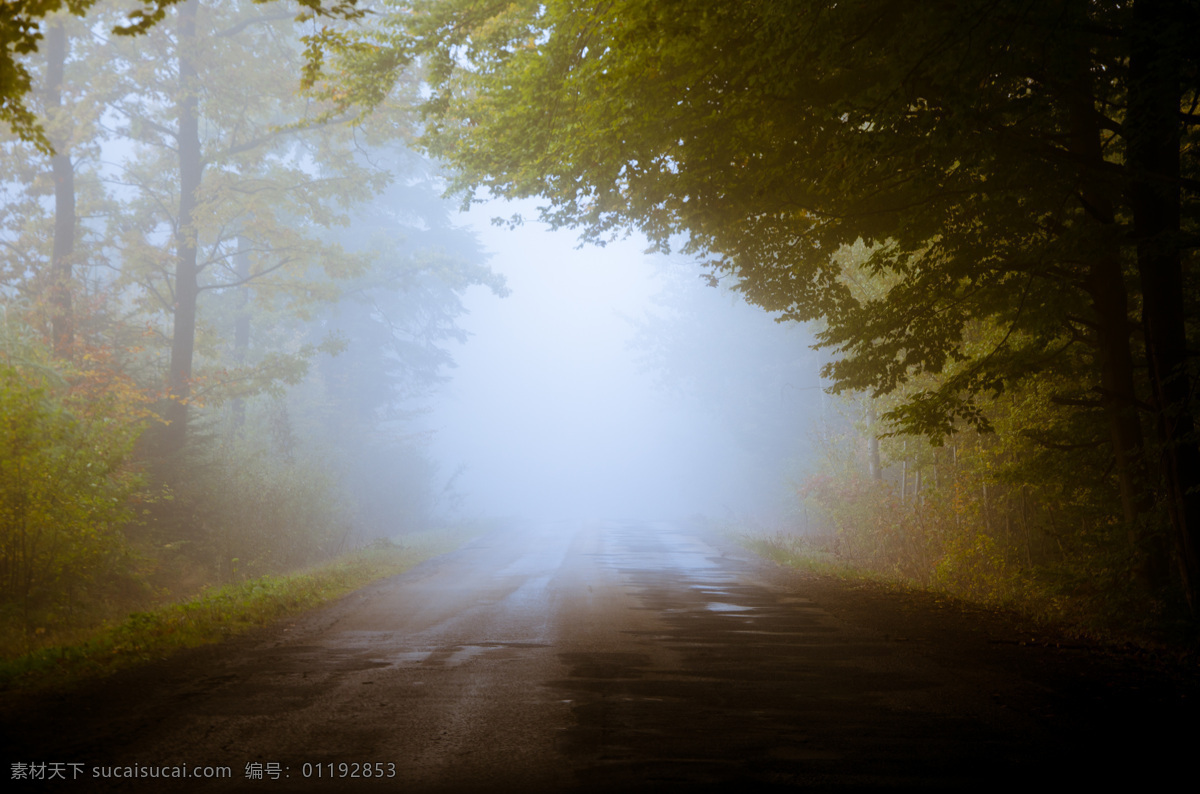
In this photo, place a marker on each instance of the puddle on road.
(717, 606)
(410, 657)
(447, 656)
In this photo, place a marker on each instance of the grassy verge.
(218, 614)
(805, 553)
(1108, 621)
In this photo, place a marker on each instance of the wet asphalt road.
(612, 656)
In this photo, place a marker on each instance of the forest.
(230, 266)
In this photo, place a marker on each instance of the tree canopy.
(1027, 166)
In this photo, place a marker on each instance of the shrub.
(66, 436)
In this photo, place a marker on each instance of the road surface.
(621, 656)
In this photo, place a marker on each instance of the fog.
(589, 390)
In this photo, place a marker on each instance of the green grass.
(218, 614)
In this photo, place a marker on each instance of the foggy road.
(619, 656)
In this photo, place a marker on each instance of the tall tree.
(1163, 80)
(47, 223)
(233, 165)
(63, 169)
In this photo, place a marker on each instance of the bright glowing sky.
(547, 407)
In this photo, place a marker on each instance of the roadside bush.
(66, 437)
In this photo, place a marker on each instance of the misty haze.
(614, 384)
(458, 395)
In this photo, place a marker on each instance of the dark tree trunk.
(191, 167)
(1104, 283)
(873, 443)
(241, 326)
(1152, 130)
(63, 170)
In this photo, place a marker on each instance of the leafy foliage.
(66, 480)
(21, 23)
(771, 136)
(1012, 179)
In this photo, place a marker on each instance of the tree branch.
(247, 279)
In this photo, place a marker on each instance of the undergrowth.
(1103, 619)
(798, 552)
